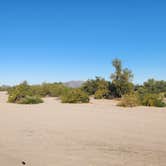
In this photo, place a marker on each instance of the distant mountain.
(74, 84)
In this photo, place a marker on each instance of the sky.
(50, 40)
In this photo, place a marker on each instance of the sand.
(96, 134)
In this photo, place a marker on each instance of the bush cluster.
(22, 94)
(26, 94)
(151, 93)
(48, 89)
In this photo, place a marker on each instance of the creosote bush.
(48, 89)
(75, 96)
(22, 94)
(152, 100)
(30, 100)
(102, 94)
(130, 100)
(98, 87)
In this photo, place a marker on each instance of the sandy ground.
(96, 134)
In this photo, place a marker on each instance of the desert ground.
(95, 134)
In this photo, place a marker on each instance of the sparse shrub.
(153, 100)
(130, 100)
(75, 96)
(30, 100)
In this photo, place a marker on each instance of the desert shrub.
(98, 87)
(18, 92)
(118, 89)
(57, 90)
(75, 96)
(23, 94)
(154, 86)
(41, 90)
(30, 100)
(129, 100)
(152, 100)
(37, 90)
(102, 94)
(48, 89)
(90, 87)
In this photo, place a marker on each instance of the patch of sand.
(96, 134)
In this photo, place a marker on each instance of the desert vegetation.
(75, 96)
(121, 87)
(23, 94)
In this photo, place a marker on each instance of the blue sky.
(76, 40)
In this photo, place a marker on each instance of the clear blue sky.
(49, 40)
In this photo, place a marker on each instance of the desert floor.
(96, 134)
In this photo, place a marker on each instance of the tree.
(121, 79)
(103, 91)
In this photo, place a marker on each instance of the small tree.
(121, 80)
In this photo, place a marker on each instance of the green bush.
(130, 100)
(23, 94)
(47, 89)
(57, 90)
(154, 86)
(153, 100)
(98, 87)
(18, 92)
(102, 94)
(31, 100)
(75, 96)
